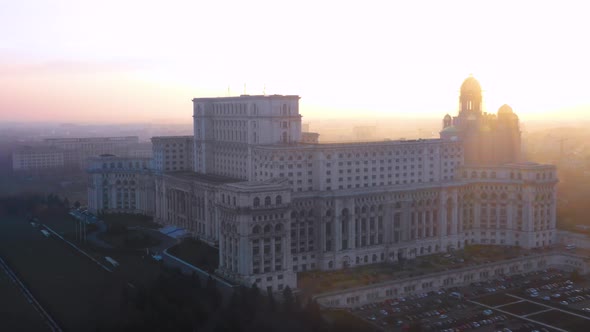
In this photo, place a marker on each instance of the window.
(267, 201)
(256, 201)
(279, 200)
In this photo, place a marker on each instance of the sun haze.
(114, 61)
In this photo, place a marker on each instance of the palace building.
(276, 202)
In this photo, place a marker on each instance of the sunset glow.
(114, 61)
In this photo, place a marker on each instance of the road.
(72, 288)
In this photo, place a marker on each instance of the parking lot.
(527, 302)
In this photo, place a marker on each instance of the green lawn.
(197, 253)
(79, 294)
(16, 314)
(341, 320)
(129, 220)
(131, 239)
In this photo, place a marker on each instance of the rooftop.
(207, 178)
(245, 97)
(350, 144)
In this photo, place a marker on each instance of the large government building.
(275, 201)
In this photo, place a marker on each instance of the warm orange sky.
(76, 60)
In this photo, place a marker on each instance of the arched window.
(222, 198)
(278, 227)
(267, 201)
(256, 229)
(279, 200)
(473, 175)
(256, 201)
(267, 229)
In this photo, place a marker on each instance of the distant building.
(37, 158)
(310, 138)
(364, 133)
(276, 205)
(73, 153)
(78, 150)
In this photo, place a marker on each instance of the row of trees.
(175, 302)
(34, 205)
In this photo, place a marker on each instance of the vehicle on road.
(46, 233)
(113, 262)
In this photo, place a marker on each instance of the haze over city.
(308, 166)
(143, 61)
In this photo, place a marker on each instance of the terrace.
(316, 282)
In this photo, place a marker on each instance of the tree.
(212, 292)
(288, 299)
(576, 277)
(195, 280)
(272, 304)
(77, 204)
(313, 314)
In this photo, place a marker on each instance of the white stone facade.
(120, 184)
(173, 153)
(275, 205)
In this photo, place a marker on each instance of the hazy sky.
(123, 60)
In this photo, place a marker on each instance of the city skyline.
(148, 62)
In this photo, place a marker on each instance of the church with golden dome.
(488, 138)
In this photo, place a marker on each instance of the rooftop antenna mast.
(264, 90)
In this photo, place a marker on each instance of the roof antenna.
(244, 88)
(228, 93)
(264, 90)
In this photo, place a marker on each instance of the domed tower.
(447, 121)
(470, 100)
(507, 115)
(507, 138)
